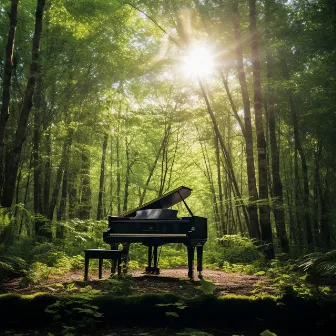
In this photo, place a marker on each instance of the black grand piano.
(153, 225)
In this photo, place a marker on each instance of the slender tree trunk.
(13, 155)
(73, 197)
(47, 173)
(61, 211)
(36, 149)
(227, 160)
(278, 210)
(220, 190)
(264, 211)
(102, 179)
(7, 75)
(60, 172)
(232, 104)
(317, 196)
(85, 205)
(325, 224)
(127, 174)
(151, 172)
(300, 150)
(208, 174)
(118, 191)
(252, 208)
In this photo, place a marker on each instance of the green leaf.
(207, 287)
(267, 333)
(172, 314)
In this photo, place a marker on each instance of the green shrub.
(234, 249)
(319, 264)
(12, 267)
(120, 286)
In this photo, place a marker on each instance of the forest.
(109, 104)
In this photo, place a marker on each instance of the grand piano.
(153, 225)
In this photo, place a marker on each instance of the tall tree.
(13, 154)
(252, 188)
(264, 212)
(7, 75)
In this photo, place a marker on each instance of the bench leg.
(86, 271)
(100, 268)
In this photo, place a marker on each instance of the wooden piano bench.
(101, 255)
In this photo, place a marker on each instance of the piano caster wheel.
(147, 270)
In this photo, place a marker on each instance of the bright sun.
(198, 61)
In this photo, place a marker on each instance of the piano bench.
(101, 255)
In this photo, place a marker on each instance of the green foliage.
(207, 287)
(11, 267)
(120, 286)
(234, 249)
(267, 333)
(176, 305)
(71, 314)
(319, 264)
(285, 279)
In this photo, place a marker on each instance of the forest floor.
(172, 281)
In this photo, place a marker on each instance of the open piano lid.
(165, 201)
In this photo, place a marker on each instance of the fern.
(319, 263)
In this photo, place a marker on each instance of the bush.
(234, 249)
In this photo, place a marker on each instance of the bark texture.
(264, 211)
(252, 188)
(102, 179)
(7, 76)
(13, 155)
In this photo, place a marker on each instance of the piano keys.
(153, 225)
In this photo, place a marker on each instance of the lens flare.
(198, 61)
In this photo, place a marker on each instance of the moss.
(151, 309)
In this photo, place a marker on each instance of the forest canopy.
(106, 105)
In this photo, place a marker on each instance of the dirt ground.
(169, 281)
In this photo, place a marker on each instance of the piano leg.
(199, 251)
(149, 266)
(155, 269)
(191, 250)
(114, 262)
(125, 256)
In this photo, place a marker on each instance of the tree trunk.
(264, 212)
(64, 162)
(252, 208)
(325, 209)
(102, 179)
(300, 150)
(73, 197)
(317, 196)
(151, 172)
(227, 159)
(223, 225)
(278, 210)
(127, 174)
(7, 75)
(85, 205)
(36, 150)
(47, 173)
(13, 155)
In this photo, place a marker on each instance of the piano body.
(153, 225)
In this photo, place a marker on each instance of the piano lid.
(165, 201)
